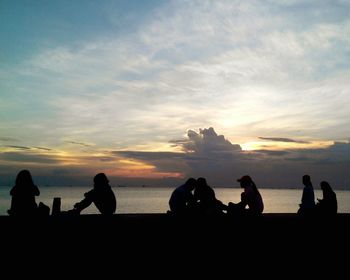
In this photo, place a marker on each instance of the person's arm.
(80, 206)
(303, 197)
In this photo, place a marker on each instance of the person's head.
(100, 180)
(325, 187)
(191, 183)
(306, 180)
(201, 182)
(24, 178)
(245, 181)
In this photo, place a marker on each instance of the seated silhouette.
(250, 198)
(23, 196)
(206, 202)
(182, 199)
(307, 205)
(328, 205)
(101, 195)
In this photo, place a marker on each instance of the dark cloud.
(204, 154)
(8, 139)
(27, 148)
(286, 140)
(149, 155)
(27, 158)
(18, 147)
(42, 148)
(79, 143)
(212, 156)
(272, 153)
(106, 159)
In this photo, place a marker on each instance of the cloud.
(246, 67)
(286, 140)
(18, 147)
(149, 155)
(28, 158)
(205, 142)
(271, 153)
(42, 148)
(8, 139)
(27, 148)
(207, 154)
(228, 63)
(79, 143)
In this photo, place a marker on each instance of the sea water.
(155, 200)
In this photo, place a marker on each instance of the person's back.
(251, 196)
(254, 200)
(23, 195)
(205, 197)
(101, 195)
(182, 198)
(103, 198)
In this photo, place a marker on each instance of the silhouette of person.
(308, 198)
(23, 195)
(250, 197)
(182, 198)
(101, 195)
(328, 205)
(205, 198)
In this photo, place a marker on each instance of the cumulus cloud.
(207, 154)
(205, 142)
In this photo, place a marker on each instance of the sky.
(153, 92)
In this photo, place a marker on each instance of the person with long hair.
(23, 195)
(251, 199)
(328, 205)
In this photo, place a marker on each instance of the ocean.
(155, 200)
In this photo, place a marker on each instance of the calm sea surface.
(155, 200)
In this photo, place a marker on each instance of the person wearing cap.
(182, 199)
(101, 195)
(251, 197)
(308, 198)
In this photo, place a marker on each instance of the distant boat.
(121, 186)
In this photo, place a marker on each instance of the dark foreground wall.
(153, 241)
(141, 228)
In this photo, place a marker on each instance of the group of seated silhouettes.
(23, 197)
(197, 197)
(193, 197)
